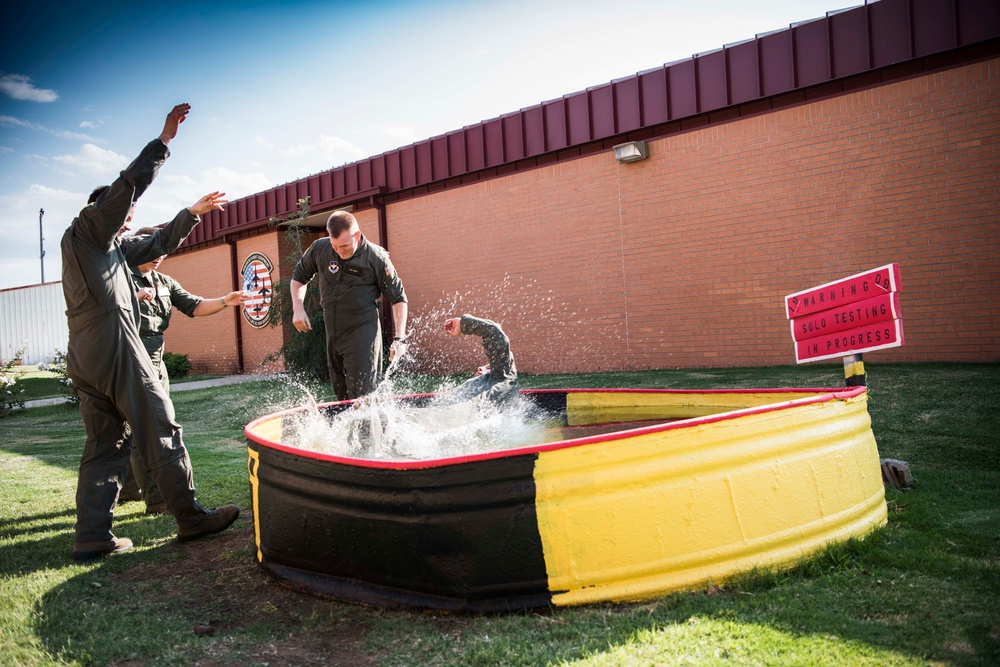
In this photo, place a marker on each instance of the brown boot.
(157, 508)
(91, 550)
(213, 521)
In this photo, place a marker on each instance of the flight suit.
(154, 318)
(348, 289)
(500, 386)
(106, 358)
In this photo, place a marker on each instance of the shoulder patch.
(390, 270)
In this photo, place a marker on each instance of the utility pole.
(41, 242)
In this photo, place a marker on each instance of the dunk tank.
(627, 494)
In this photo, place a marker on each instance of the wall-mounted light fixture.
(632, 151)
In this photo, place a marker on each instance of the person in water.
(496, 382)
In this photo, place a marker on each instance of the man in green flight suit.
(496, 382)
(158, 294)
(109, 365)
(352, 273)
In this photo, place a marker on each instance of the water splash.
(381, 426)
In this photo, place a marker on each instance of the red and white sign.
(858, 287)
(842, 318)
(862, 339)
(856, 314)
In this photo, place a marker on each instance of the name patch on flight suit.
(353, 270)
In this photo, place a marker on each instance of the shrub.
(177, 365)
(66, 386)
(10, 390)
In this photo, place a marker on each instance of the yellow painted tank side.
(604, 407)
(642, 516)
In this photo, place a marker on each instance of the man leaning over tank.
(352, 273)
(108, 363)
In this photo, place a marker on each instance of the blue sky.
(281, 92)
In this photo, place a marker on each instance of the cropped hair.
(98, 191)
(340, 222)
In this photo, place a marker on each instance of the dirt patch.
(222, 590)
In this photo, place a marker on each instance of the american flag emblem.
(257, 287)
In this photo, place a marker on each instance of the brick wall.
(683, 260)
(208, 341)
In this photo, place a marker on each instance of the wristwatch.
(398, 339)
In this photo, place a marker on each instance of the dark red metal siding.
(814, 54)
(744, 73)
(476, 147)
(534, 131)
(849, 42)
(365, 175)
(712, 78)
(456, 152)
(554, 114)
(776, 63)
(440, 169)
(811, 43)
(513, 137)
(493, 142)
(578, 113)
(628, 104)
(682, 90)
(978, 20)
(933, 28)
(653, 85)
(602, 108)
(394, 173)
(422, 156)
(890, 26)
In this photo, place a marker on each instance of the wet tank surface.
(618, 495)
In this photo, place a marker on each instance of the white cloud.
(19, 240)
(62, 134)
(94, 160)
(20, 87)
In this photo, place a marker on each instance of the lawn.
(921, 591)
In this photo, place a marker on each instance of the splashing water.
(382, 427)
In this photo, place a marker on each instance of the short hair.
(340, 222)
(98, 191)
(145, 231)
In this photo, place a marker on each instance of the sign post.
(846, 318)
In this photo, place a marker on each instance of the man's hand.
(300, 320)
(211, 201)
(234, 299)
(174, 118)
(453, 326)
(145, 294)
(397, 349)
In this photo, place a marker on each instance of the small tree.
(304, 352)
(10, 390)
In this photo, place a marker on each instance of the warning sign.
(857, 314)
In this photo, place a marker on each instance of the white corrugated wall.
(33, 318)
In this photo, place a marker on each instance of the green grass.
(922, 591)
(45, 384)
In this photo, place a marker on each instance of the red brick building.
(865, 137)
